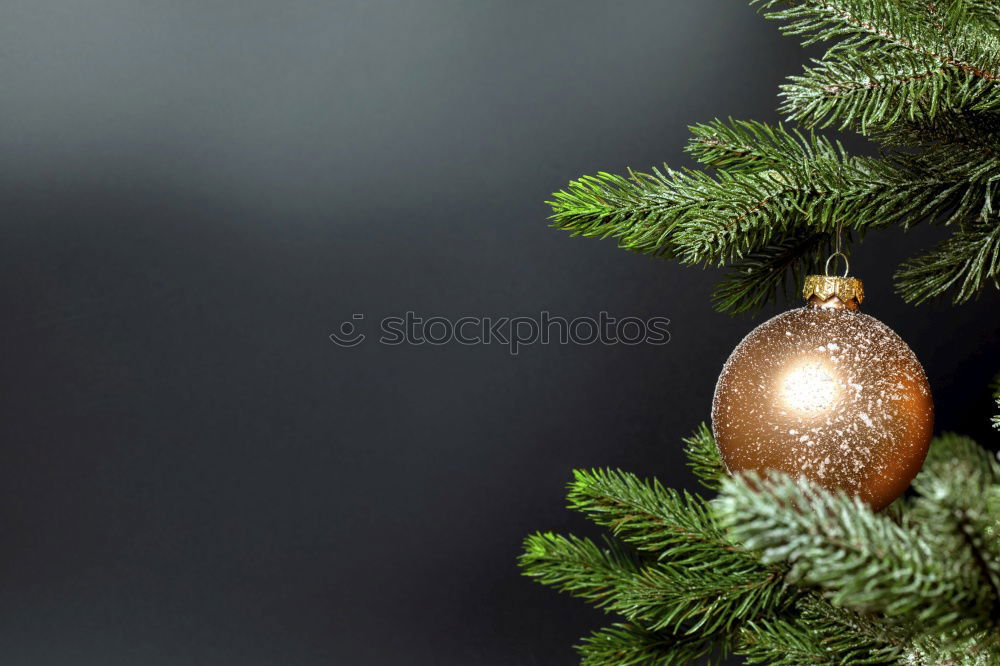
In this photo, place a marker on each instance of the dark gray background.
(195, 194)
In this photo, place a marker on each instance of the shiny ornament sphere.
(830, 394)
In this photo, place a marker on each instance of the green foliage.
(889, 60)
(821, 633)
(965, 263)
(778, 268)
(644, 514)
(677, 591)
(857, 558)
(630, 645)
(922, 79)
(742, 145)
(974, 650)
(850, 636)
(661, 596)
(777, 569)
(579, 566)
(781, 571)
(956, 487)
(703, 457)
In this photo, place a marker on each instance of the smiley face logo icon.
(348, 335)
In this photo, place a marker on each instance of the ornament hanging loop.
(847, 264)
(837, 292)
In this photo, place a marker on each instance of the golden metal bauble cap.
(826, 291)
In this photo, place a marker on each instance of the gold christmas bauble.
(828, 393)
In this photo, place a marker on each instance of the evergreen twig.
(703, 457)
(921, 78)
(858, 558)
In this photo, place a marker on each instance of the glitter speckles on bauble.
(829, 393)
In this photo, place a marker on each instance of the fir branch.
(955, 486)
(762, 275)
(749, 145)
(660, 596)
(702, 581)
(821, 634)
(772, 222)
(702, 600)
(956, 467)
(964, 264)
(968, 129)
(578, 566)
(699, 219)
(948, 15)
(888, 61)
(638, 210)
(876, 94)
(631, 645)
(878, 28)
(976, 649)
(861, 638)
(859, 559)
(779, 642)
(674, 524)
(703, 457)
